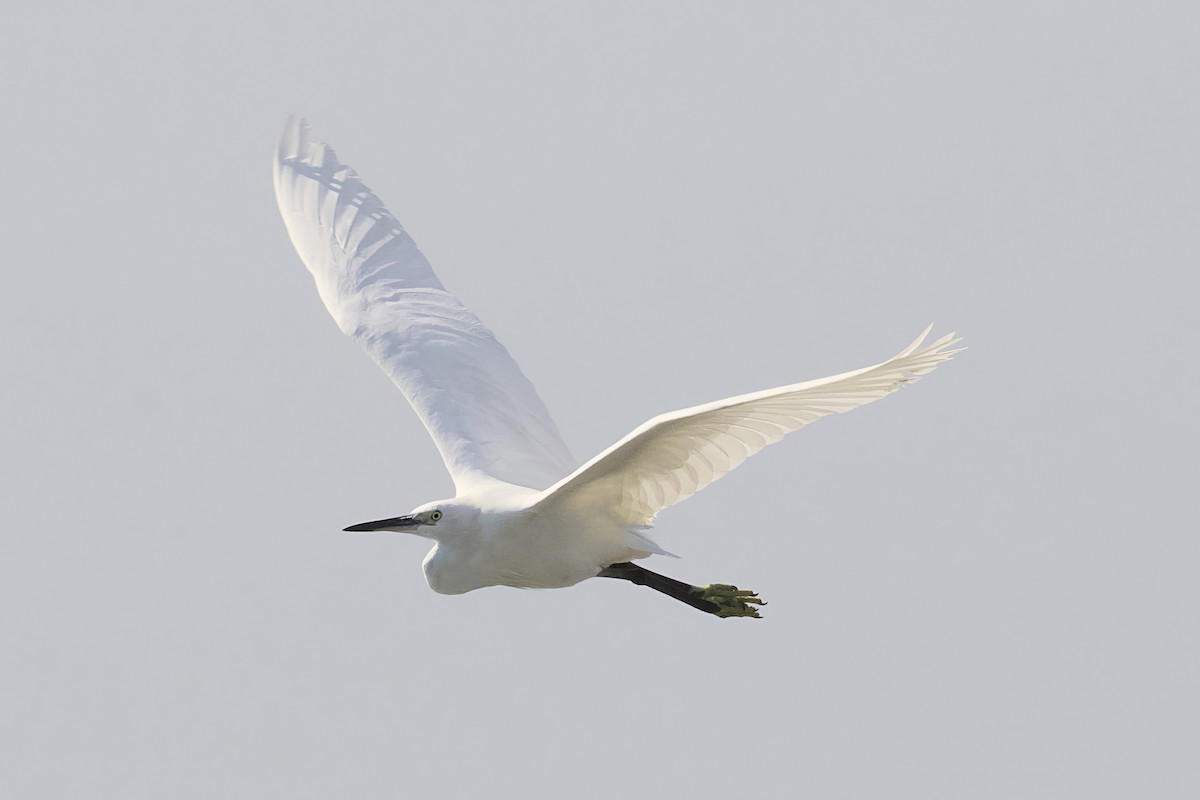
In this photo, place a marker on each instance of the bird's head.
(433, 520)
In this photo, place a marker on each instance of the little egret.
(524, 514)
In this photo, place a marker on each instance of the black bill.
(393, 524)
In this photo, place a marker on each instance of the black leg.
(719, 599)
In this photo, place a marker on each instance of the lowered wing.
(673, 456)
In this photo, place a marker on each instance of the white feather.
(675, 455)
(483, 413)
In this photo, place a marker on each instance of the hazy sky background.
(985, 586)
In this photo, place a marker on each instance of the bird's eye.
(434, 516)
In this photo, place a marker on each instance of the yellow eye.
(434, 516)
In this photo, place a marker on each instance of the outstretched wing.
(484, 415)
(673, 456)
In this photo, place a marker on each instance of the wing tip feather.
(298, 147)
(295, 133)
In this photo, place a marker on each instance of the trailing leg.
(716, 598)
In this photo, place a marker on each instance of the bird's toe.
(732, 601)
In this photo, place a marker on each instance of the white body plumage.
(501, 537)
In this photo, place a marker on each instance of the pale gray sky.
(983, 587)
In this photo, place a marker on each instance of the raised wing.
(484, 415)
(673, 456)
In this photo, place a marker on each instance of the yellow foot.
(730, 600)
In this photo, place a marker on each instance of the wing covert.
(482, 412)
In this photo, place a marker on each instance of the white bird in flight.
(524, 513)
